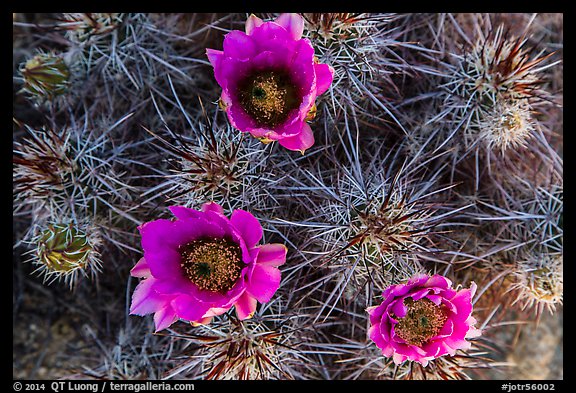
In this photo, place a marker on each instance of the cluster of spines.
(275, 344)
(368, 57)
(74, 173)
(214, 163)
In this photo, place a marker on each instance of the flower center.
(212, 264)
(423, 320)
(268, 97)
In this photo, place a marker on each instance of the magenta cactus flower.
(270, 80)
(423, 319)
(201, 264)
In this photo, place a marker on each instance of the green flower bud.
(46, 76)
(63, 248)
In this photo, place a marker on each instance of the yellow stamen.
(268, 97)
(423, 321)
(212, 264)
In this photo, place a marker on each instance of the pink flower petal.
(208, 226)
(214, 56)
(473, 288)
(270, 60)
(375, 335)
(293, 23)
(435, 348)
(269, 36)
(248, 227)
(438, 281)
(448, 304)
(386, 329)
(215, 311)
(271, 254)
(182, 212)
(237, 290)
(324, 77)
(209, 297)
(265, 133)
(264, 282)
(239, 45)
(398, 308)
(447, 293)
(210, 223)
(456, 343)
(436, 299)
(459, 331)
(473, 332)
(375, 314)
(399, 359)
(203, 321)
(245, 306)
(370, 310)
(301, 142)
(175, 286)
(141, 269)
(240, 119)
(164, 318)
(302, 70)
(447, 329)
(398, 290)
(164, 263)
(146, 300)
(231, 71)
(189, 308)
(212, 207)
(417, 281)
(414, 352)
(387, 351)
(446, 349)
(463, 303)
(160, 235)
(226, 99)
(419, 294)
(154, 236)
(293, 124)
(252, 22)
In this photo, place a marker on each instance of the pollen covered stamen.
(423, 320)
(212, 264)
(268, 97)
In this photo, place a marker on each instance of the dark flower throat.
(268, 97)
